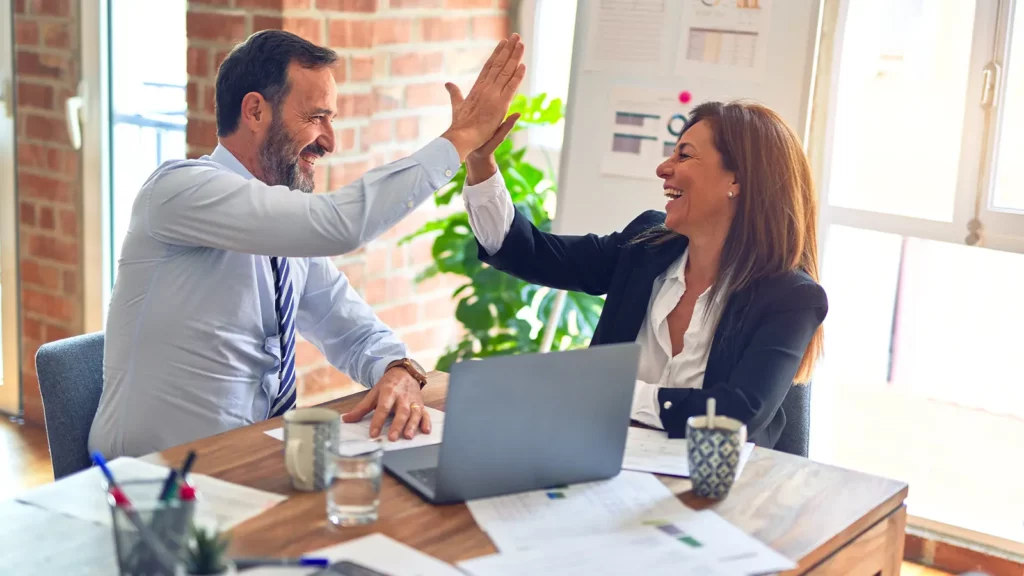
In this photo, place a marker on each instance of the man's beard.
(280, 162)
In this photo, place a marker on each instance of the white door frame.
(10, 390)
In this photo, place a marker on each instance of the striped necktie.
(286, 324)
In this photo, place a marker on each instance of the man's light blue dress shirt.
(192, 342)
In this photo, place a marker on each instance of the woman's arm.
(759, 382)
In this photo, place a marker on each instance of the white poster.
(626, 34)
(643, 128)
(724, 38)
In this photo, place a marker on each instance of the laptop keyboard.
(426, 476)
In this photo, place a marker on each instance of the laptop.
(529, 422)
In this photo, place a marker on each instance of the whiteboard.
(630, 52)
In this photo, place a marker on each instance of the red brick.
(46, 219)
(398, 316)
(19, 6)
(42, 187)
(350, 33)
(54, 333)
(56, 34)
(201, 133)
(355, 105)
(210, 26)
(32, 406)
(69, 223)
(347, 173)
(311, 29)
(193, 96)
(39, 157)
(27, 214)
(432, 94)
(219, 57)
(407, 129)
(387, 97)
(439, 308)
(53, 249)
(423, 339)
(338, 71)
(297, 4)
(307, 354)
(387, 290)
(354, 273)
(198, 61)
(392, 31)
(42, 128)
(362, 68)
(445, 29)
(35, 95)
(442, 284)
(59, 8)
(347, 5)
(468, 4)
(365, 141)
(32, 328)
(320, 178)
(380, 130)
(377, 260)
(70, 282)
(416, 63)
(53, 66)
(266, 23)
(345, 140)
(466, 61)
(323, 383)
(58, 308)
(400, 4)
(37, 274)
(26, 32)
(490, 27)
(258, 4)
(71, 162)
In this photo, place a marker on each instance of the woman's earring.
(731, 194)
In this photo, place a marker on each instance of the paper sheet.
(361, 430)
(626, 34)
(724, 39)
(375, 551)
(653, 451)
(702, 543)
(642, 127)
(525, 520)
(221, 504)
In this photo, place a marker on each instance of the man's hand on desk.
(397, 391)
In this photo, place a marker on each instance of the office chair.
(70, 373)
(796, 436)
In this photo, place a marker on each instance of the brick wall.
(49, 188)
(395, 57)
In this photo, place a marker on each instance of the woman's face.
(697, 185)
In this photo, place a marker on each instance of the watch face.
(417, 366)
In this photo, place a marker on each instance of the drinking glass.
(354, 493)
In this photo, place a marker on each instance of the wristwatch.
(412, 367)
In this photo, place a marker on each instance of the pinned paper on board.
(724, 38)
(626, 34)
(644, 125)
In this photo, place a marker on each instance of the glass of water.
(354, 493)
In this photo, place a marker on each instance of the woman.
(720, 290)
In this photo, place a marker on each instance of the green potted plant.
(501, 314)
(205, 553)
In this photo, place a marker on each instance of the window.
(922, 234)
(551, 24)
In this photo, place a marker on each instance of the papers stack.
(361, 430)
(653, 451)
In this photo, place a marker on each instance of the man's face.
(300, 132)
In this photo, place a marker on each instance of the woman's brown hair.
(775, 227)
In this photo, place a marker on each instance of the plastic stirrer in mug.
(711, 413)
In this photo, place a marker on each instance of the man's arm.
(340, 324)
(200, 205)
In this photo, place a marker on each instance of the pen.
(244, 563)
(164, 556)
(189, 460)
(167, 491)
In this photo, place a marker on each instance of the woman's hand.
(480, 163)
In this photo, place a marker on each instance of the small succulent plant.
(206, 551)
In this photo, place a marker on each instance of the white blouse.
(491, 213)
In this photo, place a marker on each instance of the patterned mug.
(309, 434)
(714, 454)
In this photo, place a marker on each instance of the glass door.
(10, 385)
(135, 119)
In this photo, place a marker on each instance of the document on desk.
(653, 451)
(376, 552)
(81, 495)
(361, 429)
(701, 543)
(525, 520)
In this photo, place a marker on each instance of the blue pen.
(245, 563)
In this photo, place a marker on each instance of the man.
(225, 256)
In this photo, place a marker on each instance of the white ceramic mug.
(309, 434)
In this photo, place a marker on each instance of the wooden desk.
(829, 520)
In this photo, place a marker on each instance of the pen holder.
(168, 522)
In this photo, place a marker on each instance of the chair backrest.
(70, 373)
(796, 436)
